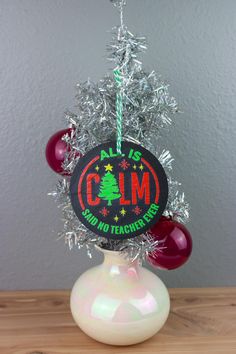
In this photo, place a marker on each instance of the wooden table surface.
(39, 322)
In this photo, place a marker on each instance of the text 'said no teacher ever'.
(118, 195)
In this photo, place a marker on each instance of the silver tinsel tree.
(148, 107)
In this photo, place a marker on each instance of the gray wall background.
(46, 47)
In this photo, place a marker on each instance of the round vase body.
(118, 302)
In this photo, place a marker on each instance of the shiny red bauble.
(56, 150)
(175, 244)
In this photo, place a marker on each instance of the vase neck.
(116, 265)
(116, 258)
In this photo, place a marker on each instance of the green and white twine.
(119, 109)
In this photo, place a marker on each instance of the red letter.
(122, 190)
(96, 178)
(143, 191)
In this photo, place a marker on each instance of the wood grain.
(39, 322)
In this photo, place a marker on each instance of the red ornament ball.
(175, 245)
(56, 150)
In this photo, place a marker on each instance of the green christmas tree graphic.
(109, 189)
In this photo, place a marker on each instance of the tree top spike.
(118, 3)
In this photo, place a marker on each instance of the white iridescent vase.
(119, 302)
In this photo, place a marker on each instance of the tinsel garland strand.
(148, 108)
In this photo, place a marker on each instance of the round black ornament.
(118, 196)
